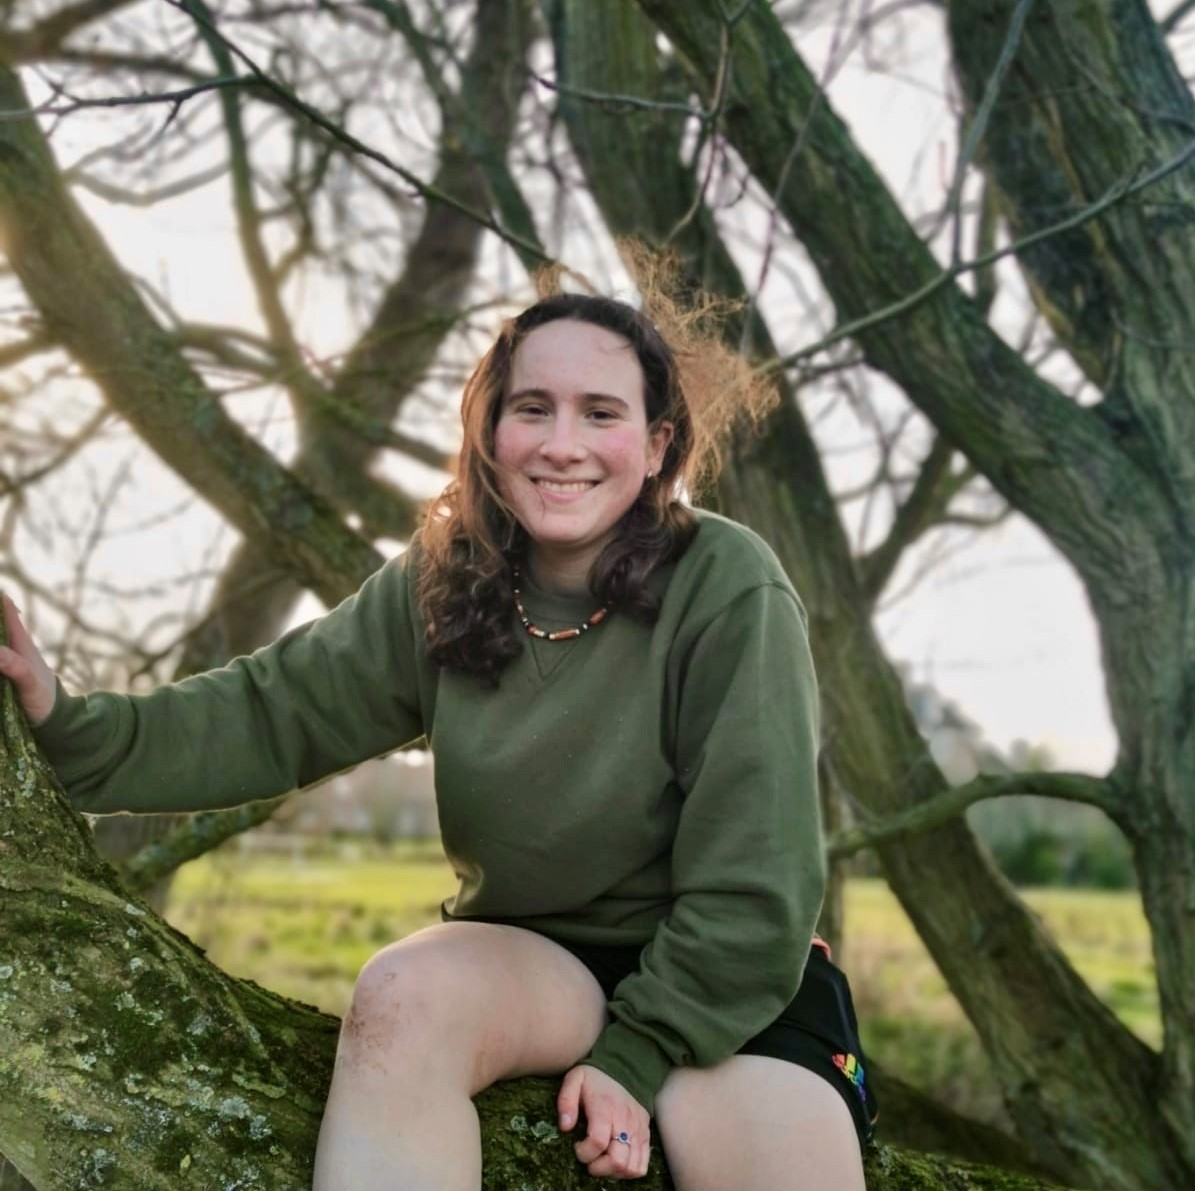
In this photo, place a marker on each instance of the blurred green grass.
(304, 923)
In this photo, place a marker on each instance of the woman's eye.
(603, 415)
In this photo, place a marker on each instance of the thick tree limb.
(1096, 94)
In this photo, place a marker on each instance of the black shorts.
(817, 1031)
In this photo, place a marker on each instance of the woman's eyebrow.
(545, 394)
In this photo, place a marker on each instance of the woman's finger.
(642, 1157)
(568, 1098)
(597, 1139)
(620, 1159)
(23, 664)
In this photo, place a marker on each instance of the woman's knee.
(477, 1001)
(406, 994)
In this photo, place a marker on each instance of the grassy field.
(304, 924)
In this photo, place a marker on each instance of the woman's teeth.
(555, 486)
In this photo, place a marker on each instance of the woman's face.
(572, 441)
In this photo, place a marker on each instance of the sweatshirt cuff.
(633, 1059)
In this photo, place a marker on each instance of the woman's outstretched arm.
(321, 698)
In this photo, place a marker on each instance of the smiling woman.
(627, 796)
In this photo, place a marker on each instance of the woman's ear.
(657, 445)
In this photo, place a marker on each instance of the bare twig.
(77, 440)
(54, 107)
(618, 103)
(709, 128)
(429, 192)
(979, 123)
(1169, 23)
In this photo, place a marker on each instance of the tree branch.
(68, 449)
(302, 385)
(949, 804)
(432, 193)
(100, 319)
(932, 492)
(192, 838)
(46, 35)
(144, 198)
(1045, 454)
(618, 103)
(1169, 23)
(979, 122)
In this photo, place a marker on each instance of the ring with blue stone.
(625, 1138)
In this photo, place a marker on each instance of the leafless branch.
(429, 192)
(979, 122)
(195, 836)
(144, 198)
(79, 439)
(43, 37)
(619, 103)
(17, 353)
(924, 507)
(934, 812)
(1169, 23)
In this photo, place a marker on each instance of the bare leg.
(435, 1019)
(757, 1124)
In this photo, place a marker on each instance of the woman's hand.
(610, 1110)
(21, 662)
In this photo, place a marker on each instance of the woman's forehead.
(569, 355)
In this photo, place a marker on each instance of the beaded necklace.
(560, 634)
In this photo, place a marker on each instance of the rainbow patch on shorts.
(852, 1069)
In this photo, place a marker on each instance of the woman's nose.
(563, 441)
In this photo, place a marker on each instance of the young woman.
(620, 698)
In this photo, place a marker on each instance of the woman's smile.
(564, 488)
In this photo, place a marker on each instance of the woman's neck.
(559, 576)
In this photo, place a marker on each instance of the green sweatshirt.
(637, 785)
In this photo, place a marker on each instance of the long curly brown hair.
(470, 537)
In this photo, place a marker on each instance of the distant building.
(390, 798)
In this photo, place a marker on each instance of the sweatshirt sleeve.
(319, 699)
(748, 872)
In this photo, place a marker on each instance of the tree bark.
(1095, 97)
